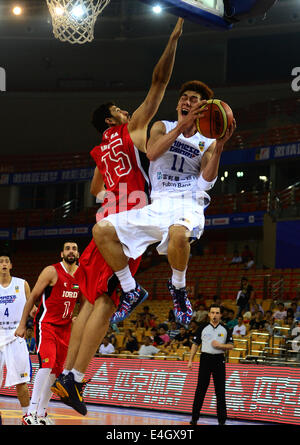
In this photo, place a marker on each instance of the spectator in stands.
(111, 336)
(290, 313)
(130, 342)
(106, 347)
(149, 321)
(139, 321)
(171, 316)
(162, 332)
(155, 338)
(244, 295)
(198, 301)
(258, 322)
(240, 327)
(147, 314)
(280, 313)
(200, 315)
(225, 315)
(255, 307)
(30, 341)
(236, 259)
(147, 349)
(232, 320)
(289, 322)
(193, 327)
(246, 316)
(294, 307)
(173, 331)
(182, 339)
(247, 258)
(270, 322)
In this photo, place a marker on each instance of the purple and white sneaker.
(128, 302)
(183, 310)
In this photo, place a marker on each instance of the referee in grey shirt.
(215, 339)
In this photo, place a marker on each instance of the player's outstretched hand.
(20, 331)
(195, 112)
(178, 29)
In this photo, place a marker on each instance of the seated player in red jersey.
(118, 165)
(59, 293)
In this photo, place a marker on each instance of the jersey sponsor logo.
(5, 299)
(184, 149)
(69, 294)
(23, 375)
(201, 146)
(17, 290)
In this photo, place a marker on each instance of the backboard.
(219, 14)
(205, 12)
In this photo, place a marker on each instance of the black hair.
(7, 254)
(99, 116)
(197, 86)
(69, 241)
(214, 305)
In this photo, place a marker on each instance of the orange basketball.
(218, 117)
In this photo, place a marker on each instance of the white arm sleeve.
(205, 185)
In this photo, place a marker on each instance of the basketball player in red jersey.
(59, 293)
(120, 175)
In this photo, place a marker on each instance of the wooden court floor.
(106, 415)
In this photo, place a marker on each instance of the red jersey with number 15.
(124, 171)
(58, 301)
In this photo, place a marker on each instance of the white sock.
(178, 278)
(45, 396)
(66, 371)
(25, 410)
(78, 376)
(126, 279)
(41, 379)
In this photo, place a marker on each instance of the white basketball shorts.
(139, 228)
(15, 357)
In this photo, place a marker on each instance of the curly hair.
(198, 87)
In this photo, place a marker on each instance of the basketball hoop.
(73, 21)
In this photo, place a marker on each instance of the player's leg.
(122, 236)
(44, 400)
(23, 396)
(46, 347)
(178, 257)
(71, 387)
(78, 328)
(15, 357)
(178, 254)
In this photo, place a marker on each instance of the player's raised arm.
(160, 79)
(47, 277)
(211, 160)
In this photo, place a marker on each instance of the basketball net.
(73, 21)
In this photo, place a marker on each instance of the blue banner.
(211, 222)
(47, 177)
(230, 221)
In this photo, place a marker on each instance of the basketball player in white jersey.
(184, 164)
(14, 292)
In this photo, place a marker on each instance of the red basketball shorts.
(52, 345)
(95, 277)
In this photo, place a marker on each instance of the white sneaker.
(45, 420)
(30, 419)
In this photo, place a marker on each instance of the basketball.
(218, 117)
